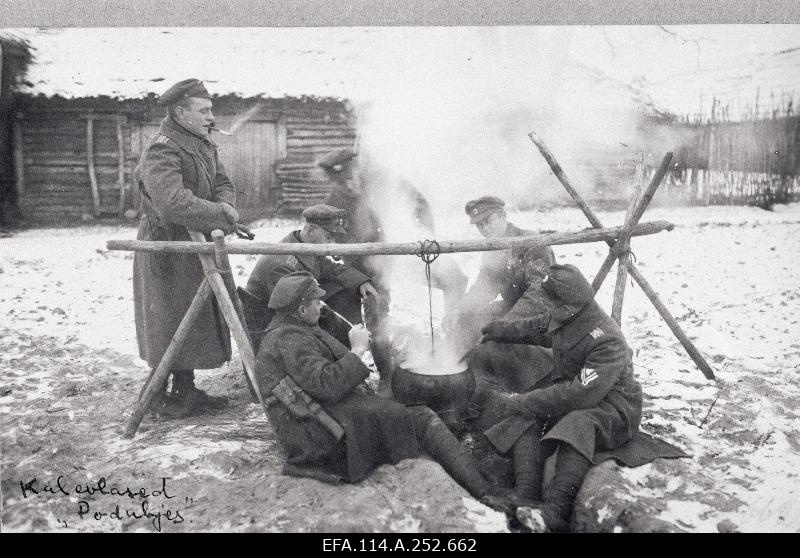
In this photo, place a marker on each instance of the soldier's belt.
(302, 405)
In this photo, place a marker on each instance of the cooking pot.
(435, 378)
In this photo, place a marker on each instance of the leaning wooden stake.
(625, 257)
(632, 269)
(159, 377)
(246, 345)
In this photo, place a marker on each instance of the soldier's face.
(196, 116)
(494, 226)
(310, 311)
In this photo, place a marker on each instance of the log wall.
(55, 179)
(309, 135)
(270, 157)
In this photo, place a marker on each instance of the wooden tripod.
(620, 249)
(219, 281)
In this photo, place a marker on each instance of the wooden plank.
(121, 162)
(90, 162)
(19, 158)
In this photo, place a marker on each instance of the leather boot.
(444, 447)
(381, 355)
(556, 510)
(187, 400)
(528, 466)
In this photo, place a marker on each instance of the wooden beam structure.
(219, 281)
(632, 269)
(391, 248)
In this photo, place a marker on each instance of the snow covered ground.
(730, 275)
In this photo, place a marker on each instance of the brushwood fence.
(736, 163)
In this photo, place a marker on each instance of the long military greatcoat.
(596, 403)
(181, 184)
(377, 430)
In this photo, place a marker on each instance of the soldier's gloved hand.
(497, 330)
(244, 232)
(230, 213)
(359, 339)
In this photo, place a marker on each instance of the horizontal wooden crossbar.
(390, 248)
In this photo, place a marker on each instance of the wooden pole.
(237, 329)
(19, 159)
(246, 350)
(671, 322)
(637, 213)
(562, 177)
(159, 377)
(632, 269)
(390, 248)
(121, 166)
(90, 162)
(625, 257)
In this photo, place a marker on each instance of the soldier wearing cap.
(513, 276)
(593, 403)
(183, 186)
(331, 425)
(345, 286)
(349, 193)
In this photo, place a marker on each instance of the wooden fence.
(735, 163)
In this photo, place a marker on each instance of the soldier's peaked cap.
(183, 90)
(335, 160)
(292, 289)
(567, 284)
(479, 209)
(326, 216)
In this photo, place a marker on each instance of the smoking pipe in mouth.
(223, 132)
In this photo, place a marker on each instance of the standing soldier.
(593, 404)
(362, 225)
(182, 186)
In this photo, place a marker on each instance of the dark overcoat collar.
(183, 137)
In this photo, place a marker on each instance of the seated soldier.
(594, 403)
(330, 424)
(513, 275)
(503, 273)
(344, 285)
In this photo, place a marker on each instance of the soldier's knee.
(423, 418)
